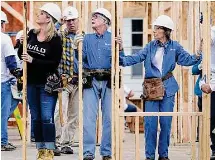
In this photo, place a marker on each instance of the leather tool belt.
(153, 88)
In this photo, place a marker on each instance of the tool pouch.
(153, 89)
(53, 83)
(87, 80)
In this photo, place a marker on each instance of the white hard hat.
(164, 21)
(52, 9)
(4, 17)
(19, 34)
(103, 12)
(70, 13)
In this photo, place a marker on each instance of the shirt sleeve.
(8, 47)
(186, 59)
(138, 57)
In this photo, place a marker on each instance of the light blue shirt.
(97, 51)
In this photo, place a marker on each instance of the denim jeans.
(151, 125)
(42, 107)
(90, 111)
(6, 97)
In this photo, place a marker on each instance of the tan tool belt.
(153, 88)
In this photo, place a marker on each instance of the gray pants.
(65, 134)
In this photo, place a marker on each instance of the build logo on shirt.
(36, 49)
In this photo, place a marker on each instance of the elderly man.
(68, 69)
(210, 88)
(97, 73)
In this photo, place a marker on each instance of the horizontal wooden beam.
(146, 114)
(14, 13)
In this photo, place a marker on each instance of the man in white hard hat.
(97, 76)
(209, 88)
(68, 70)
(8, 67)
(159, 58)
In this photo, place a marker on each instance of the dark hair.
(167, 32)
(17, 44)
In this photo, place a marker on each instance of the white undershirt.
(158, 59)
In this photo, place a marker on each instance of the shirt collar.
(67, 33)
(101, 36)
(159, 44)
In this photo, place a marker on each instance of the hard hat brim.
(70, 17)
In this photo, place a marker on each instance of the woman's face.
(42, 17)
(158, 32)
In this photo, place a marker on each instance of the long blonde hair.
(50, 30)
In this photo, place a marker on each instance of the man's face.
(72, 25)
(97, 20)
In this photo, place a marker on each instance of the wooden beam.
(113, 72)
(80, 86)
(16, 14)
(146, 114)
(206, 71)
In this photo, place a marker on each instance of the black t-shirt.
(46, 57)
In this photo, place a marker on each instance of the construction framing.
(185, 115)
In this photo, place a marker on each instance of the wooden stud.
(206, 71)
(80, 87)
(117, 80)
(24, 94)
(193, 139)
(113, 79)
(121, 119)
(137, 139)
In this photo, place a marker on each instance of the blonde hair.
(50, 30)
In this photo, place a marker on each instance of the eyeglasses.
(158, 27)
(96, 16)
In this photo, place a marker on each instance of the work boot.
(66, 150)
(106, 158)
(213, 156)
(7, 147)
(41, 154)
(57, 151)
(49, 154)
(163, 158)
(88, 157)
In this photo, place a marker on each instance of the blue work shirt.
(173, 53)
(97, 51)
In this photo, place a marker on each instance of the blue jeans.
(90, 111)
(42, 106)
(151, 125)
(6, 97)
(131, 108)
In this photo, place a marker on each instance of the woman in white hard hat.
(160, 56)
(44, 50)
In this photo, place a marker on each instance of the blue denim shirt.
(196, 71)
(173, 53)
(97, 51)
